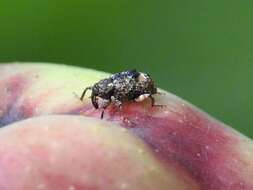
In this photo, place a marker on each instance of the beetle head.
(103, 89)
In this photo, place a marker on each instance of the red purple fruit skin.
(179, 135)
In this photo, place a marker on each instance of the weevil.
(121, 87)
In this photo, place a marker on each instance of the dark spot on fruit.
(11, 90)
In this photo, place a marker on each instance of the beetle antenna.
(84, 92)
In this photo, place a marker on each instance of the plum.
(52, 140)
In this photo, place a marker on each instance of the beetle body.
(122, 87)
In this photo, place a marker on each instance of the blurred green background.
(200, 50)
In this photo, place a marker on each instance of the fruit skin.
(191, 149)
(76, 152)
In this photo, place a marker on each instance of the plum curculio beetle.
(121, 87)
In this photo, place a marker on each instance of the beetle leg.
(102, 114)
(161, 93)
(94, 101)
(85, 90)
(142, 97)
(152, 100)
(118, 104)
(103, 109)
